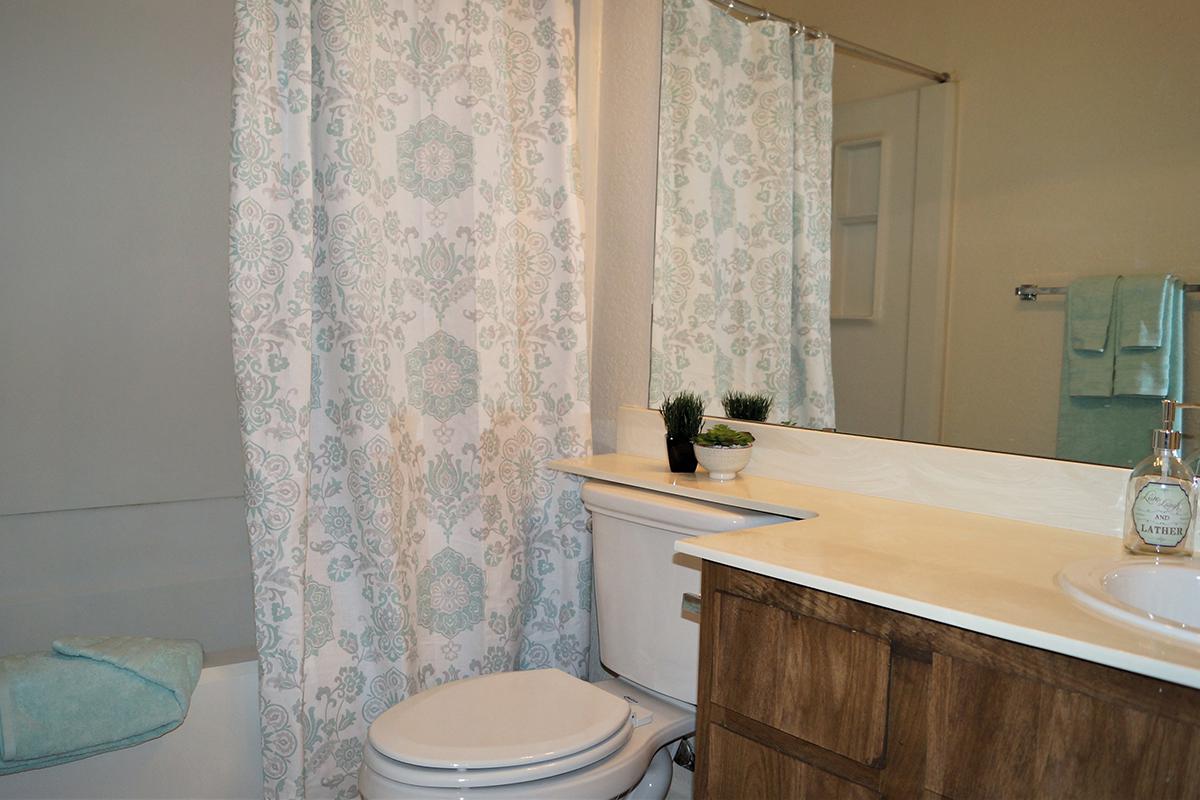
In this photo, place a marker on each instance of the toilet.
(543, 734)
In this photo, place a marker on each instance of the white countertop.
(985, 574)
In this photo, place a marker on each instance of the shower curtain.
(406, 286)
(741, 268)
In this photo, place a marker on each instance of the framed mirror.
(871, 221)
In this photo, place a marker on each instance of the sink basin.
(1155, 595)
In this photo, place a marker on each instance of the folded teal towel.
(1090, 350)
(1150, 321)
(1147, 297)
(1089, 309)
(92, 695)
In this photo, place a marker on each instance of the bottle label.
(1162, 513)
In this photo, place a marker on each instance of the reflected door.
(874, 175)
(893, 176)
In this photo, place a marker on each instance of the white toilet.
(545, 734)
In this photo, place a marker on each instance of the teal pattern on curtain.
(742, 253)
(406, 287)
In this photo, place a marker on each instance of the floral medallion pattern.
(406, 292)
(435, 160)
(259, 241)
(442, 376)
(741, 274)
(449, 594)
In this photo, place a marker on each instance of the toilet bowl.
(543, 734)
(536, 734)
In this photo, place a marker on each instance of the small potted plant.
(723, 451)
(747, 405)
(683, 414)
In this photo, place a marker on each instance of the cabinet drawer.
(814, 680)
(745, 768)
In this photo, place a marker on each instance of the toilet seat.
(498, 729)
(433, 777)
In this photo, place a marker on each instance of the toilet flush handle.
(690, 606)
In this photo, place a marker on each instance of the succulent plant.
(724, 436)
(683, 414)
(750, 406)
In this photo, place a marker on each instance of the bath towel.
(1150, 310)
(91, 695)
(1091, 336)
(1116, 430)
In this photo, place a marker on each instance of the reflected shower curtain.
(741, 273)
(406, 286)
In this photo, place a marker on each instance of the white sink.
(1156, 595)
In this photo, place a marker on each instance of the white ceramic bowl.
(723, 463)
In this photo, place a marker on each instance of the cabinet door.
(820, 682)
(997, 735)
(743, 768)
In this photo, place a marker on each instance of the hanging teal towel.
(92, 695)
(1090, 334)
(1150, 311)
(1106, 430)
(1145, 299)
(1116, 430)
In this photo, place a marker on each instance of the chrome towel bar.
(1030, 291)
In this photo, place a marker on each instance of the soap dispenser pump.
(1160, 499)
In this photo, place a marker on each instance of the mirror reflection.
(843, 233)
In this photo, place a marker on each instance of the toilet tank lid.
(658, 509)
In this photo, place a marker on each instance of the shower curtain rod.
(845, 45)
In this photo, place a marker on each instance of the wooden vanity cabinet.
(805, 694)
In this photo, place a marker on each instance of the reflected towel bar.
(1030, 291)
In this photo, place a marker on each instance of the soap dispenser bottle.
(1160, 500)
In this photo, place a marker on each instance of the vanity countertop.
(985, 574)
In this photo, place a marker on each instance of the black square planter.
(681, 455)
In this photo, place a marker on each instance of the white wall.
(627, 164)
(176, 570)
(120, 472)
(114, 330)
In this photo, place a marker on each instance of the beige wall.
(1078, 128)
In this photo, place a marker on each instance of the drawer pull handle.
(690, 605)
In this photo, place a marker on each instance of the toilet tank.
(640, 581)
